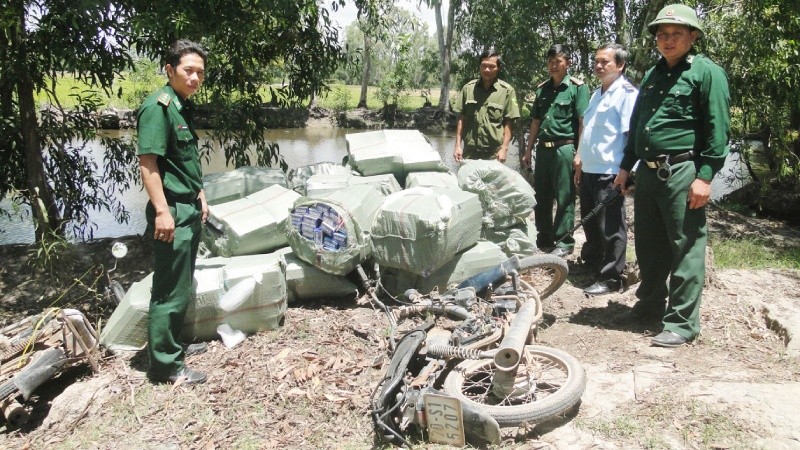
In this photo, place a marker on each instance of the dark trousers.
(607, 232)
(552, 181)
(670, 247)
(173, 277)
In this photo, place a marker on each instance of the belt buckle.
(549, 144)
(664, 172)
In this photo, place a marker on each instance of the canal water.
(299, 147)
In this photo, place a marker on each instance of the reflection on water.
(299, 147)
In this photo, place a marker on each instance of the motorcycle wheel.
(558, 381)
(545, 273)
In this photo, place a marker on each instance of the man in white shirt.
(597, 161)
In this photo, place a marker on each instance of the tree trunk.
(446, 51)
(43, 206)
(362, 99)
(644, 43)
(621, 23)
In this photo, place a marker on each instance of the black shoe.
(194, 349)
(561, 252)
(188, 376)
(668, 339)
(634, 316)
(604, 287)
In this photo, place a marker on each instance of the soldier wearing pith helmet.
(679, 134)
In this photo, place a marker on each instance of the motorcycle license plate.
(445, 419)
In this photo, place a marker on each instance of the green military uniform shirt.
(681, 109)
(558, 108)
(164, 129)
(484, 112)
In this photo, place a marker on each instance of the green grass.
(753, 254)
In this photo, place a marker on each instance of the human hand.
(458, 154)
(165, 227)
(699, 193)
(502, 153)
(577, 165)
(621, 182)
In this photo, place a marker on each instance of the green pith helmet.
(676, 14)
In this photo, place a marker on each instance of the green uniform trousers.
(552, 181)
(173, 278)
(670, 242)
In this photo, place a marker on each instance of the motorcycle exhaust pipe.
(509, 353)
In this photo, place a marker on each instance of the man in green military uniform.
(679, 133)
(557, 123)
(487, 108)
(172, 177)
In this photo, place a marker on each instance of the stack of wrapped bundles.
(253, 224)
(421, 229)
(259, 300)
(398, 152)
(507, 201)
(330, 232)
(224, 187)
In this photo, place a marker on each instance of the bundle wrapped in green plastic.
(330, 232)
(432, 179)
(222, 187)
(322, 184)
(253, 224)
(421, 229)
(474, 260)
(398, 152)
(300, 175)
(506, 196)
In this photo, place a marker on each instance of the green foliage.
(757, 43)
(339, 98)
(140, 82)
(47, 255)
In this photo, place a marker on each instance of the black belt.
(654, 163)
(551, 144)
(180, 198)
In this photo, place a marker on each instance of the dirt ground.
(307, 384)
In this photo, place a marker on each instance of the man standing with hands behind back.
(679, 131)
(487, 108)
(556, 121)
(596, 165)
(172, 177)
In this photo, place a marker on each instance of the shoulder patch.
(628, 86)
(577, 81)
(164, 99)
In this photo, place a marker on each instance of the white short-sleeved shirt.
(605, 124)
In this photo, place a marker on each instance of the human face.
(489, 70)
(606, 68)
(557, 67)
(187, 77)
(674, 41)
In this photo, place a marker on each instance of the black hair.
(184, 47)
(490, 52)
(621, 54)
(559, 50)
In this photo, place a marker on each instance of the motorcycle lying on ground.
(35, 349)
(467, 363)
